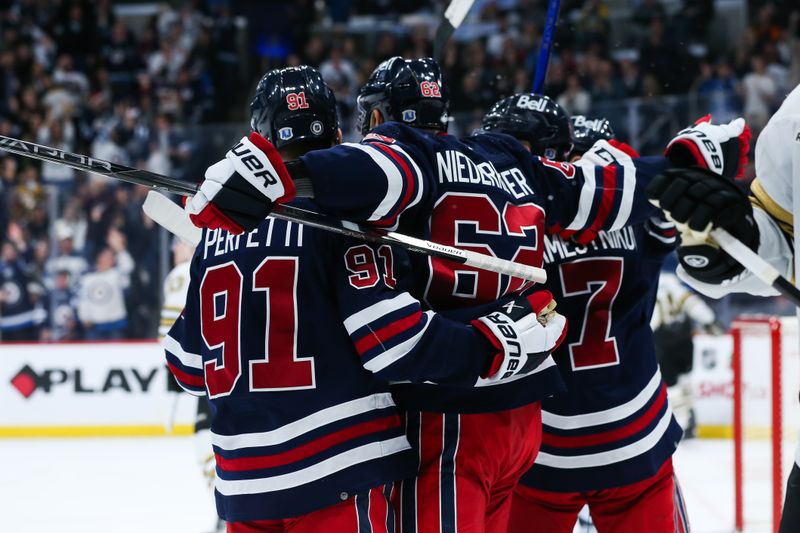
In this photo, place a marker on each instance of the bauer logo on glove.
(720, 148)
(239, 191)
(524, 331)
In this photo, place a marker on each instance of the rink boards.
(96, 389)
(89, 389)
(712, 385)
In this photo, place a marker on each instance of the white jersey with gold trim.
(772, 200)
(176, 284)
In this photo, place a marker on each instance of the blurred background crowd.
(165, 86)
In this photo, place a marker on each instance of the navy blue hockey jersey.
(293, 333)
(487, 194)
(614, 426)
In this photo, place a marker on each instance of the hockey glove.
(720, 148)
(525, 331)
(698, 201)
(239, 191)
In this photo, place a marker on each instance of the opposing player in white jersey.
(764, 222)
(174, 290)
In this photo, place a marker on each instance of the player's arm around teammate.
(288, 329)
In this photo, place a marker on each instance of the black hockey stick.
(453, 17)
(309, 218)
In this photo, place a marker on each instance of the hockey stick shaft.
(453, 17)
(545, 49)
(293, 214)
(755, 264)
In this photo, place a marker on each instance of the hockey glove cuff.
(699, 201)
(524, 331)
(239, 191)
(720, 148)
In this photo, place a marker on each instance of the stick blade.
(171, 217)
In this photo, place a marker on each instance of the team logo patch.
(316, 127)
(409, 115)
(696, 261)
(285, 133)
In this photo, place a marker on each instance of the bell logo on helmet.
(534, 104)
(317, 127)
(409, 115)
(285, 133)
(696, 261)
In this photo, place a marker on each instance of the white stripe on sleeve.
(417, 174)
(192, 360)
(587, 195)
(394, 179)
(628, 188)
(375, 311)
(396, 353)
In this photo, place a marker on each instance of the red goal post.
(765, 340)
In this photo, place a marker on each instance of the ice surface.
(153, 485)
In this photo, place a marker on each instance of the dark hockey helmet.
(294, 104)
(587, 131)
(410, 91)
(534, 118)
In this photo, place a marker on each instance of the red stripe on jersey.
(409, 182)
(609, 191)
(597, 439)
(378, 509)
(385, 333)
(187, 379)
(429, 486)
(310, 448)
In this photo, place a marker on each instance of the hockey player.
(700, 201)
(292, 332)
(607, 442)
(175, 288)
(176, 284)
(586, 132)
(485, 193)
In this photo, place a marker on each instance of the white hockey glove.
(240, 191)
(720, 148)
(525, 331)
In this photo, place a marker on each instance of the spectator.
(62, 307)
(101, 300)
(20, 318)
(66, 259)
(575, 100)
(760, 93)
(58, 133)
(718, 87)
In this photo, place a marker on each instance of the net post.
(736, 366)
(777, 423)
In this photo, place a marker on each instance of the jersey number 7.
(221, 295)
(600, 278)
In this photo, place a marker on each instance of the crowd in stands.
(75, 76)
(78, 76)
